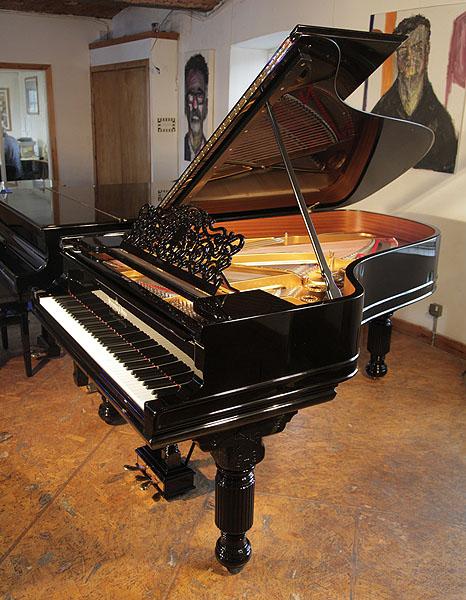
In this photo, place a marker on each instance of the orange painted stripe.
(388, 66)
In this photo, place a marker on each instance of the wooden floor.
(363, 498)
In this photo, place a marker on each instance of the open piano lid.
(340, 155)
(335, 154)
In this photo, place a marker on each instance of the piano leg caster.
(378, 344)
(233, 551)
(109, 414)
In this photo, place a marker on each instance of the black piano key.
(137, 336)
(136, 364)
(184, 377)
(124, 329)
(147, 360)
(116, 345)
(166, 390)
(163, 383)
(176, 368)
(126, 355)
(163, 360)
(144, 344)
(178, 380)
(154, 352)
(146, 373)
(160, 382)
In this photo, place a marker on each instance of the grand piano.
(34, 220)
(239, 299)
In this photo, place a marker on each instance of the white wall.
(245, 63)
(130, 21)
(426, 196)
(62, 42)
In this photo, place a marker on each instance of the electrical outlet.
(435, 310)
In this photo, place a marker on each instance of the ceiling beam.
(103, 9)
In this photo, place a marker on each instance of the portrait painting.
(424, 81)
(5, 111)
(198, 101)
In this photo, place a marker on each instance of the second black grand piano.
(221, 333)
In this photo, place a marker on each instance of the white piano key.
(114, 305)
(119, 373)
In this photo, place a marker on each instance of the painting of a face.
(413, 55)
(196, 100)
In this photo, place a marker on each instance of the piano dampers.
(184, 242)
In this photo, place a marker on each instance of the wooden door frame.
(130, 64)
(53, 156)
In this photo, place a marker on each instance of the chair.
(15, 312)
(11, 173)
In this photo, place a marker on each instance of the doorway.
(121, 122)
(28, 122)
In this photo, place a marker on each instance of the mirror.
(27, 124)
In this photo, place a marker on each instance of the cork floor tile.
(307, 555)
(361, 498)
(403, 559)
(103, 532)
(45, 434)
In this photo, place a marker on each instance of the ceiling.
(102, 9)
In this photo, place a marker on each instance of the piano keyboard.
(140, 365)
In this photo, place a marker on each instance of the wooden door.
(121, 122)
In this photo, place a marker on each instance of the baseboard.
(425, 335)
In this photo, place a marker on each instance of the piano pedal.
(145, 485)
(38, 353)
(91, 388)
(166, 471)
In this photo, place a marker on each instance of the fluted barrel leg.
(234, 516)
(236, 453)
(378, 345)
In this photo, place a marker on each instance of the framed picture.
(5, 108)
(32, 95)
(424, 81)
(198, 101)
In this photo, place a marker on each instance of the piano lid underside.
(328, 143)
